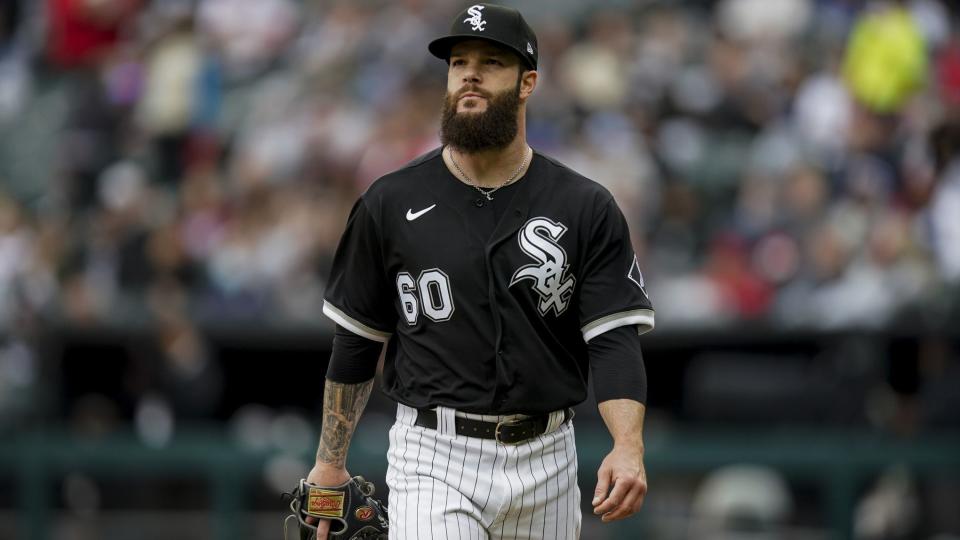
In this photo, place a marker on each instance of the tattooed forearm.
(342, 406)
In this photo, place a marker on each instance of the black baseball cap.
(499, 24)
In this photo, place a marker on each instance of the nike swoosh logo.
(411, 215)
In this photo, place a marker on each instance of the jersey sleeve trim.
(355, 326)
(643, 318)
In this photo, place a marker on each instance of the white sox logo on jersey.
(539, 239)
(475, 18)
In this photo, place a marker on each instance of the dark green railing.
(840, 462)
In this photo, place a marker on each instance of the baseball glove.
(353, 512)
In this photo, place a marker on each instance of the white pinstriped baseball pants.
(445, 486)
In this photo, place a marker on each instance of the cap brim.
(441, 47)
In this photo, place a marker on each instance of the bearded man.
(499, 281)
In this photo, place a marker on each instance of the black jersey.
(485, 315)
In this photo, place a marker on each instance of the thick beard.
(492, 129)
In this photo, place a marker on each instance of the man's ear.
(528, 81)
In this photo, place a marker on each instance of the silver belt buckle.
(496, 431)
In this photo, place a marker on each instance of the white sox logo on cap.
(476, 18)
(507, 28)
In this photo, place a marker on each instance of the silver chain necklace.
(487, 194)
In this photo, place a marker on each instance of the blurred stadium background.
(174, 175)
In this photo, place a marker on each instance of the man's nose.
(471, 74)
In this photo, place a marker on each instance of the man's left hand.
(621, 483)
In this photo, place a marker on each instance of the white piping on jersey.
(643, 318)
(353, 325)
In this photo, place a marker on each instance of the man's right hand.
(325, 475)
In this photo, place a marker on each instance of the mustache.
(471, 90)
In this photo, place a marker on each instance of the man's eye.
(456, 63)
(494, 61)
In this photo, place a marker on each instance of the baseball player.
(498, 280)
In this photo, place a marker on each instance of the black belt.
(506, 432)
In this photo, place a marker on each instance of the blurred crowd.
(187, 164)
(789, 161)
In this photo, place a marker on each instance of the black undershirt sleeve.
(616, 365)
(354, 358)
